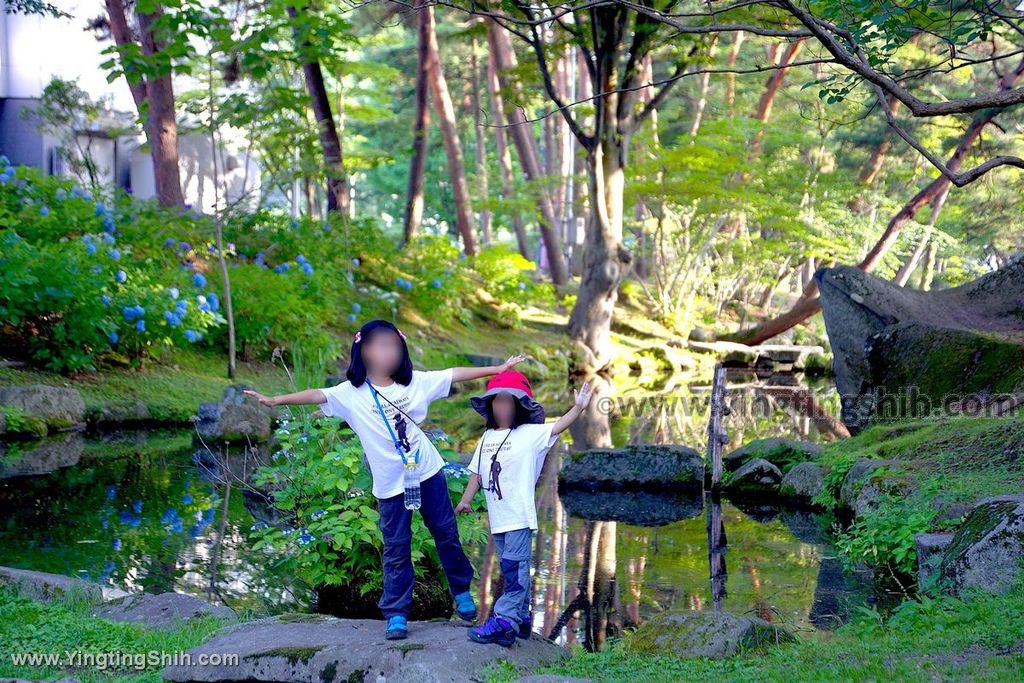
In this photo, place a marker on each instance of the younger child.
(507, 463)
(383, 401)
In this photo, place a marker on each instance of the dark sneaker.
(397, 628)
(465, 607)
(494, 630)
(526, 628)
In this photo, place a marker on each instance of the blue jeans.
(396, 527)
(514, 548)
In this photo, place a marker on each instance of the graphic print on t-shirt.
(391, 412)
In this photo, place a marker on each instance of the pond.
(142, 511)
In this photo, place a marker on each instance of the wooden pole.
(716, 430)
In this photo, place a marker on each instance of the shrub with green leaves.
(318, 480)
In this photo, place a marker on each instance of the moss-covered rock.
(803, 483)
(756, 477)
(783, 453)
(904, 353)
(714, 635)
(987, 549)
(58, 407)
(666, 467)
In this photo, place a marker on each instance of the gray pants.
(514, 548)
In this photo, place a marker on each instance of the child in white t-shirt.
(506, 464)
(383, 401)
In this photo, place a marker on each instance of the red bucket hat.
(514, 383)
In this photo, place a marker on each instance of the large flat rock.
(165, 610)
(302, 648)
(901, 352)
(663, 467)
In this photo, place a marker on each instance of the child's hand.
(463, 506)
(512, 360)
(265, 400)
(582, 397)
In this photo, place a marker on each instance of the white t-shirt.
(355, 405)
(521, 460)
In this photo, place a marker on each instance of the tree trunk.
(702, 90)
(330, 143)
(450, 135)
(730, 79)
(160, 119)
(605, 259)
(418, 162)
(504, 156)
(480, 147)
(526, 147)
(903, 274)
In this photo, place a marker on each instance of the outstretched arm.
(581, 399)
(467, 496)
(466, 374)
(307, 397)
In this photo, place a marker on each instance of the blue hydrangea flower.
(113, 338)
(307, 268)
(105, 300)
(214, 301)
(129, 313)
(111, 491)
(137, 506)
(108, 223)
(521, 285)
(300, 259)
(122, 276)
(356, 262)
(186, 499)
(108, 239)
(116, 543)
(114, 254)
(140, 325)
(199, 280)
(185, 246)
(44, 211)
(281, 268)
(191, 335)
(437, 284)
(356, 307)
(173, 291)
(170, 243)
(351, 317)
(100, 209)
(90, 248)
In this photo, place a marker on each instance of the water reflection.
(150, 512)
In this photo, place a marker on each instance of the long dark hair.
(522, 415)
(356, 372)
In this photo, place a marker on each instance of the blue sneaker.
(397, 628)
(495, 630)
(465, 607)
(526, 628)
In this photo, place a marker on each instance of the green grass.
(923, 640)
(172, 389)
(65, 625)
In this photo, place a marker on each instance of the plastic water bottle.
(412, 486)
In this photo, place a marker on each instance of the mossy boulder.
(987, 549)
(120, 413)
(165, 610)
(57, 407)
(665, 467)
(756, 477)
(343, 650)
(783, 453)
(866, 483)
(32, 458)
(235, 419)
(907, 353)
(803, 482)
(714, 635)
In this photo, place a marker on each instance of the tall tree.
(303, 24)
(418, 160)
(150, 83)
(450, 135)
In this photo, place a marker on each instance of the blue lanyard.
(394, 438)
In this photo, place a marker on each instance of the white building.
(34, 50)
